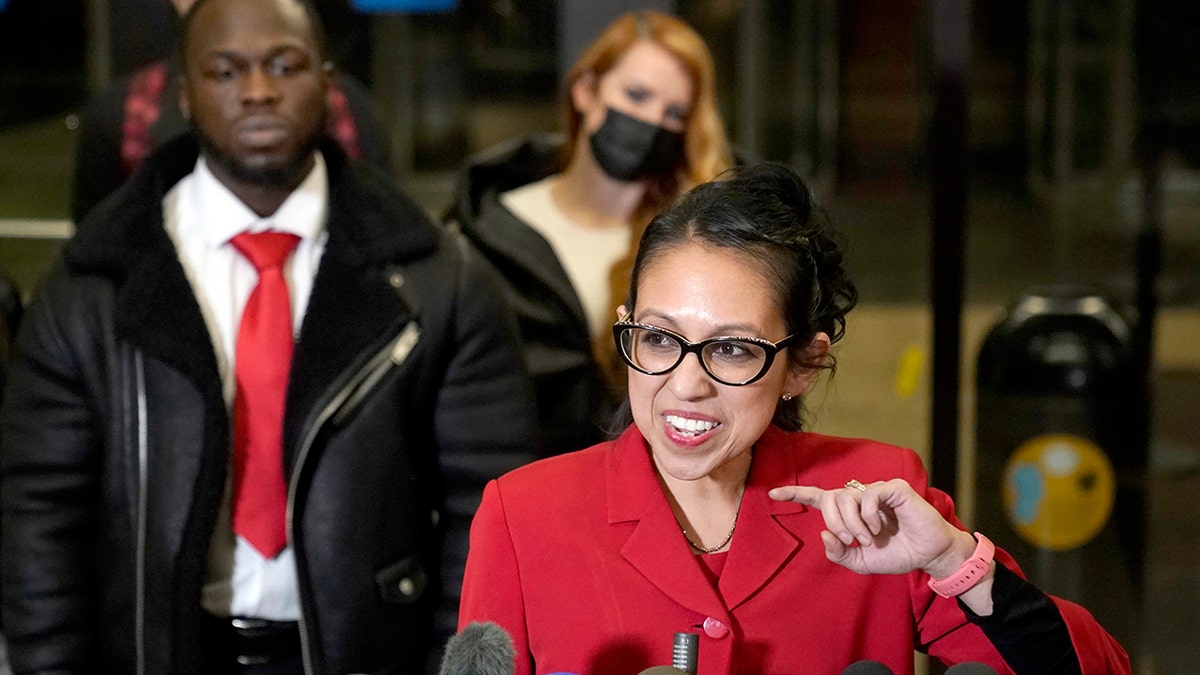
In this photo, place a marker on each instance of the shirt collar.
(224, 216)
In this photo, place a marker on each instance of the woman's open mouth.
(688, 429)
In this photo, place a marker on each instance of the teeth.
(691, 426)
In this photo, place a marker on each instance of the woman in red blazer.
(713, 513)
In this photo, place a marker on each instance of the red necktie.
(263, 359)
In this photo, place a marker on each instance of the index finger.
(801, 494)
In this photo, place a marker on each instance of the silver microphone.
(685, 652)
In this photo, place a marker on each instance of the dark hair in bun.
(766, 211)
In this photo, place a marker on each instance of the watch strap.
(969, 573)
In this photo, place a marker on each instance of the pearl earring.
(787, 397)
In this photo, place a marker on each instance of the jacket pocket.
(403, 582)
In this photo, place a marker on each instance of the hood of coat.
(502, 168)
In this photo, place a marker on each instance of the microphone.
(867, 668)
(685, 652)
(479, 649)
(683, 657)
(971, 668)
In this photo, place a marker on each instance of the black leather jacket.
(406, 395)
(575, 407)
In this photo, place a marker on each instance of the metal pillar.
(395, 81)
(951, 47)
(99, 46)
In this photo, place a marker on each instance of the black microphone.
(479, 649)
(867, 668)
(685, 652)
(971, 668)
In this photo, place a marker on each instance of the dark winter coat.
(406, 394)
(575, 406)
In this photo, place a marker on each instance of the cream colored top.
(586, 253)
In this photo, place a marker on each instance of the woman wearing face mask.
(715, 513)
(558, 215)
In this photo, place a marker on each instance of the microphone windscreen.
(479, 649)
(867, 668)
(971, 668)
(663, 670)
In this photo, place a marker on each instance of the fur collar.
(370, 220)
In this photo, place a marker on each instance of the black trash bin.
(1061, 446)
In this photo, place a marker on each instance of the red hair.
(706, 149)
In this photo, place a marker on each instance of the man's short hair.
(314, 21)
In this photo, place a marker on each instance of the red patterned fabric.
(341, 122)
(143, 104)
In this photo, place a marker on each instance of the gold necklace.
(718, 547)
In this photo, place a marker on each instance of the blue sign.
(398, 6)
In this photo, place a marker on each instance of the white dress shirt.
(201, 215)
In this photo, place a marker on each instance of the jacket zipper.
(340, 406)
(143, 450)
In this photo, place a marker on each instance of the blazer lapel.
(156, 308)
(358, 301)
(351, 314)
(156, 312)
(763, 541)
(656, 548)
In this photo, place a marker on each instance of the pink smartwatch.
(969, 574)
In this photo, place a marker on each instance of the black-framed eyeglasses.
(734, 361)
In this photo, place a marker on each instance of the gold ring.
(855, 485)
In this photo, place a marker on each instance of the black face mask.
(627, 148)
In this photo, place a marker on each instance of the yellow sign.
(1058, 491)
(908, 372)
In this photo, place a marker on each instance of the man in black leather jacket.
(406, 394)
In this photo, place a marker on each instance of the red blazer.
(580, 559)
